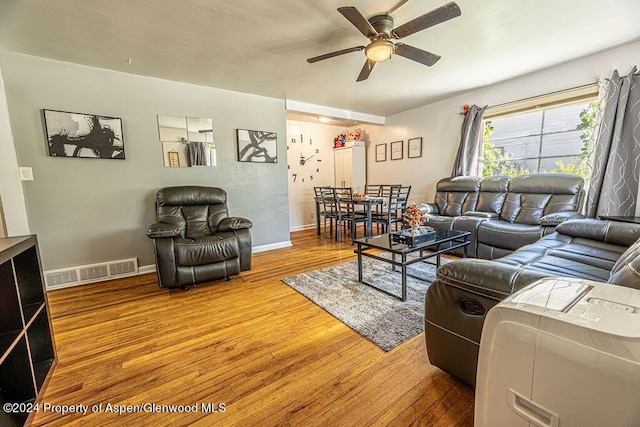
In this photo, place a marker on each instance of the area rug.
(384, 320)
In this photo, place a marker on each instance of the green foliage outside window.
(496, 162)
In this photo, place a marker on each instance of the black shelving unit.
(27, 348)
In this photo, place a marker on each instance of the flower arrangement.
(412, 215)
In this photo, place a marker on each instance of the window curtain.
(613, 169)
(467, 159)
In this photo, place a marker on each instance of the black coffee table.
(445, 241)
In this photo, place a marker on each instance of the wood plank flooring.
(253, 349)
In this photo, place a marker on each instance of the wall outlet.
(313, 215)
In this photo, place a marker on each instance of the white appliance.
(561, 352)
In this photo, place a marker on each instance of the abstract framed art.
(257, 146)
(414, 148)
(397, 150)
(83, 135)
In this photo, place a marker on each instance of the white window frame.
(576, 95)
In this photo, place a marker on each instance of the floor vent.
(80, 275)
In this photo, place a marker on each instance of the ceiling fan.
(380, 30)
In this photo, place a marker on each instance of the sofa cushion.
(456, 195)
(493, 190)
(506, 235)
(207, 249)
(616, 233)
(560, 255)
(439, 222)
(531, 197)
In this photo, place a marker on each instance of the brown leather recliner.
(195, 239)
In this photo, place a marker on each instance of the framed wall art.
(257, 146)
(414, 148)
(381, 152)
(397, 150)
(83, 135)
(174, 159)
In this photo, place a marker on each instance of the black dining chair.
(396, 199)
(372, 190)
(329, 208)
(320, 210)
(346, 213)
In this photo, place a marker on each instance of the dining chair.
(381, 212)
(346, 213)
(396, 199)
(372, 189)
(329, 209)
(320, 211)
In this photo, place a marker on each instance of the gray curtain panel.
(613, 170)
(466, 163)
(198, 153)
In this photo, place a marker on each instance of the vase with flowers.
(412, 217)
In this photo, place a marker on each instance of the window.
(552, 139)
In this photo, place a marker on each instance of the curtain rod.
(595, 84)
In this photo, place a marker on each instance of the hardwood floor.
(254, 349)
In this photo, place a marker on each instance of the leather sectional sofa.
(457, 302)
(502, 213)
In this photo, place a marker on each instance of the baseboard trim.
(147, 269)
(302, 227)
(272, 246)
(151, 268)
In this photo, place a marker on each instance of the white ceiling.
(260, 46)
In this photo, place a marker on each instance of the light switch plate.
(26, 174)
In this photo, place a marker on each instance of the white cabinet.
(350, 165)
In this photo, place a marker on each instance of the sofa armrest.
(616, 233)
(558, 218)
(485, 215)
(486, 277)
(234, 223)
(429, 208)
(162, 229)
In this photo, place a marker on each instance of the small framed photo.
(397, 150)
(174, 159)
(83, 135)
(257, 146)
(381, 152)
(414, 148)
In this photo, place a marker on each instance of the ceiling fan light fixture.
(379, 50)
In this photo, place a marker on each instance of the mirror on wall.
(187, 141)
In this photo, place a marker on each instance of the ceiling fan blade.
(332, 54)
(397, 6)
(415, 54)
(358, 21)
(429, 19)
(366, 70)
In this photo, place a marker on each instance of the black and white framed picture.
(396, 150)
(257, 146)
(414, 148)
(83, 135)
(381, 152)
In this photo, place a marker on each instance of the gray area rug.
(384, 320)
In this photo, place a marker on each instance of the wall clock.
(307, 164)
